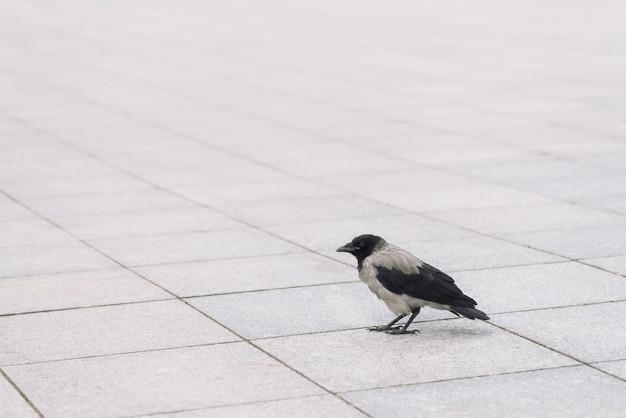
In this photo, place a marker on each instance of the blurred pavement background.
(176, 175)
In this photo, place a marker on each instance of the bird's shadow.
(435, 330)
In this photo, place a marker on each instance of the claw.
(386, 328)
(398, 330)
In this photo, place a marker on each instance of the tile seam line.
(120, 264)
(442, 169)
(249, 342)
(77, 308)
(424, 321)
(454, 379)
(246, 158)
(288, 92)
(20, 392)
(259, 227)
(280, 361)
(161, 188)
(227, 406)
(570, 356)
(121, 353)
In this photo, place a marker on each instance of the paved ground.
(175, 177)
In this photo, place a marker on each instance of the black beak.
(348, 248)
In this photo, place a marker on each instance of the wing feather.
(401, 272)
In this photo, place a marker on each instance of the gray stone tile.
(615, 264)
(527, 218)
(460, 198)
(187, 169)
(581, 390)
(48, 187)
(247, 274)
(297, 311)
(415, 179)
(34, 232)
(159, 381)
(134, 139)
(581, 242)
(92, 204)
(306, 210)
(314, 406)
(609, 186)
(435, 354)
(616, 368)
(476, 252)
(531, 167)
(540, 286)
(73, 290)
(51, 258)
(42, 151)
(252, 193)
(59, 169)
(261, 141)
(330, 235)
(193, 246)
(591, 333)
(88, 332)
(616, 204)
(338, 158)
(461, 152)
(11, 211)
(152, 222)
(11, 403)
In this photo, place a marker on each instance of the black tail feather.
(469, 313)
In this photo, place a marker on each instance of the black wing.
(427, 283)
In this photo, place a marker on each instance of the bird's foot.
(399, 330)
(386, 328)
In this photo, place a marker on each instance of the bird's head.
(362, 246)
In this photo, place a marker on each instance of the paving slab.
(247, 274)
(307, 210)
(457, 198)
(12, 404)
(98, 331)
(477, 252)
(254, 192)
(616, 368)
(12, 211)
(296, 311)
(498, 221)
(51, 187)
(51, 258)
(314, 406)
(153, 222)
(589, 332)
(193, 246)
(159, 381)
(582, 392)
(34, 232)
(101, 203)
(581, 242)
(444, 350)
(615, 264)
(331, 234)
(74, 290)
(539, 286)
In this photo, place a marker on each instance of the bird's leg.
(403, 329)
(388, 326)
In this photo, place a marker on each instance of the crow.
(405, 283)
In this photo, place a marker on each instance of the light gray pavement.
(175, 177)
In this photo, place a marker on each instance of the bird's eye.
(361, 244)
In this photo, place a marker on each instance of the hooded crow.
(405, 283)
